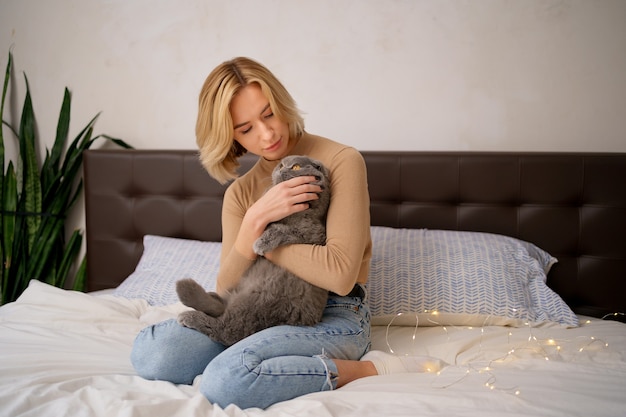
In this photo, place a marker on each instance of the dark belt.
(357, 291)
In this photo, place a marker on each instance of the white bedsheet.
(64, 353)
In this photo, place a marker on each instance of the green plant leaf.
(5, 243)
(80, 279)
(69, 255)
(52, 161)
(117, 141)
(5, 88)
(8, 206)
(31, 186)
(17, 279)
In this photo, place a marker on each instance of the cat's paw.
(274, 235)
(263, 245)
(193, 319)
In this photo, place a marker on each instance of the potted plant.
(35, 199)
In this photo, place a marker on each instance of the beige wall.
(421, 75)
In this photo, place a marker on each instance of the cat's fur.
(267, 294)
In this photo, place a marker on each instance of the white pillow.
(166, 260)
(442, 277)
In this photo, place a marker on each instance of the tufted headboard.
(573, 205)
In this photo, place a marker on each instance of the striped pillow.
(440, 277)
(164, 261)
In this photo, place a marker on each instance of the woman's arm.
(241, 226)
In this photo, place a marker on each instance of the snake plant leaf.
(80, 279)
(71, 169)
(41, 249)
(30, 170)
(5, 88)
(51, 164)
(51, 230)
(72, 250)
(5, 242)
(16, 282)
(118, 142)
(8, 206)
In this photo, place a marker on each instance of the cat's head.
(300, 165)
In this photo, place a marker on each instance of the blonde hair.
(219, 152)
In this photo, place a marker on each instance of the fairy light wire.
(532, 344)
(414, 337)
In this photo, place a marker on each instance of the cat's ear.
(321, 168)
(317, 165)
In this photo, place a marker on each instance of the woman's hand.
(285, 198)
(278, 202)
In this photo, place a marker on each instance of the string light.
(414, 337)
(533, 344)
(613, 315)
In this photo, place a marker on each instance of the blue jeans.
(273, 365)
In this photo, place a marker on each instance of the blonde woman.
(243, 108)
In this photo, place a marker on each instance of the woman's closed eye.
(249, 128)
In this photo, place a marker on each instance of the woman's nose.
(265, 131)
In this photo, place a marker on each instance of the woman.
(244, 108)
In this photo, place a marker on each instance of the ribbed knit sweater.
(344, 260)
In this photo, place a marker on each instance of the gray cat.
(267, 294)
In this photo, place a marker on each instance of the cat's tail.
(193, 295)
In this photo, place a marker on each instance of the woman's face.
(256, 127)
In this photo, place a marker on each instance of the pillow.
(441, 277)
(164, 261)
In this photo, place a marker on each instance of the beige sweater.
(344, 260)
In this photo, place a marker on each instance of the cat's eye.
(295, 167)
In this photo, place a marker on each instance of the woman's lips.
(274, 146)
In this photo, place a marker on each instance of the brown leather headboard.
(571, 204)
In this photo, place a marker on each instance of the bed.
(508, 267)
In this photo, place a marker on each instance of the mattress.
(67, 353)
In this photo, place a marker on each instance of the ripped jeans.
(273, 365)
